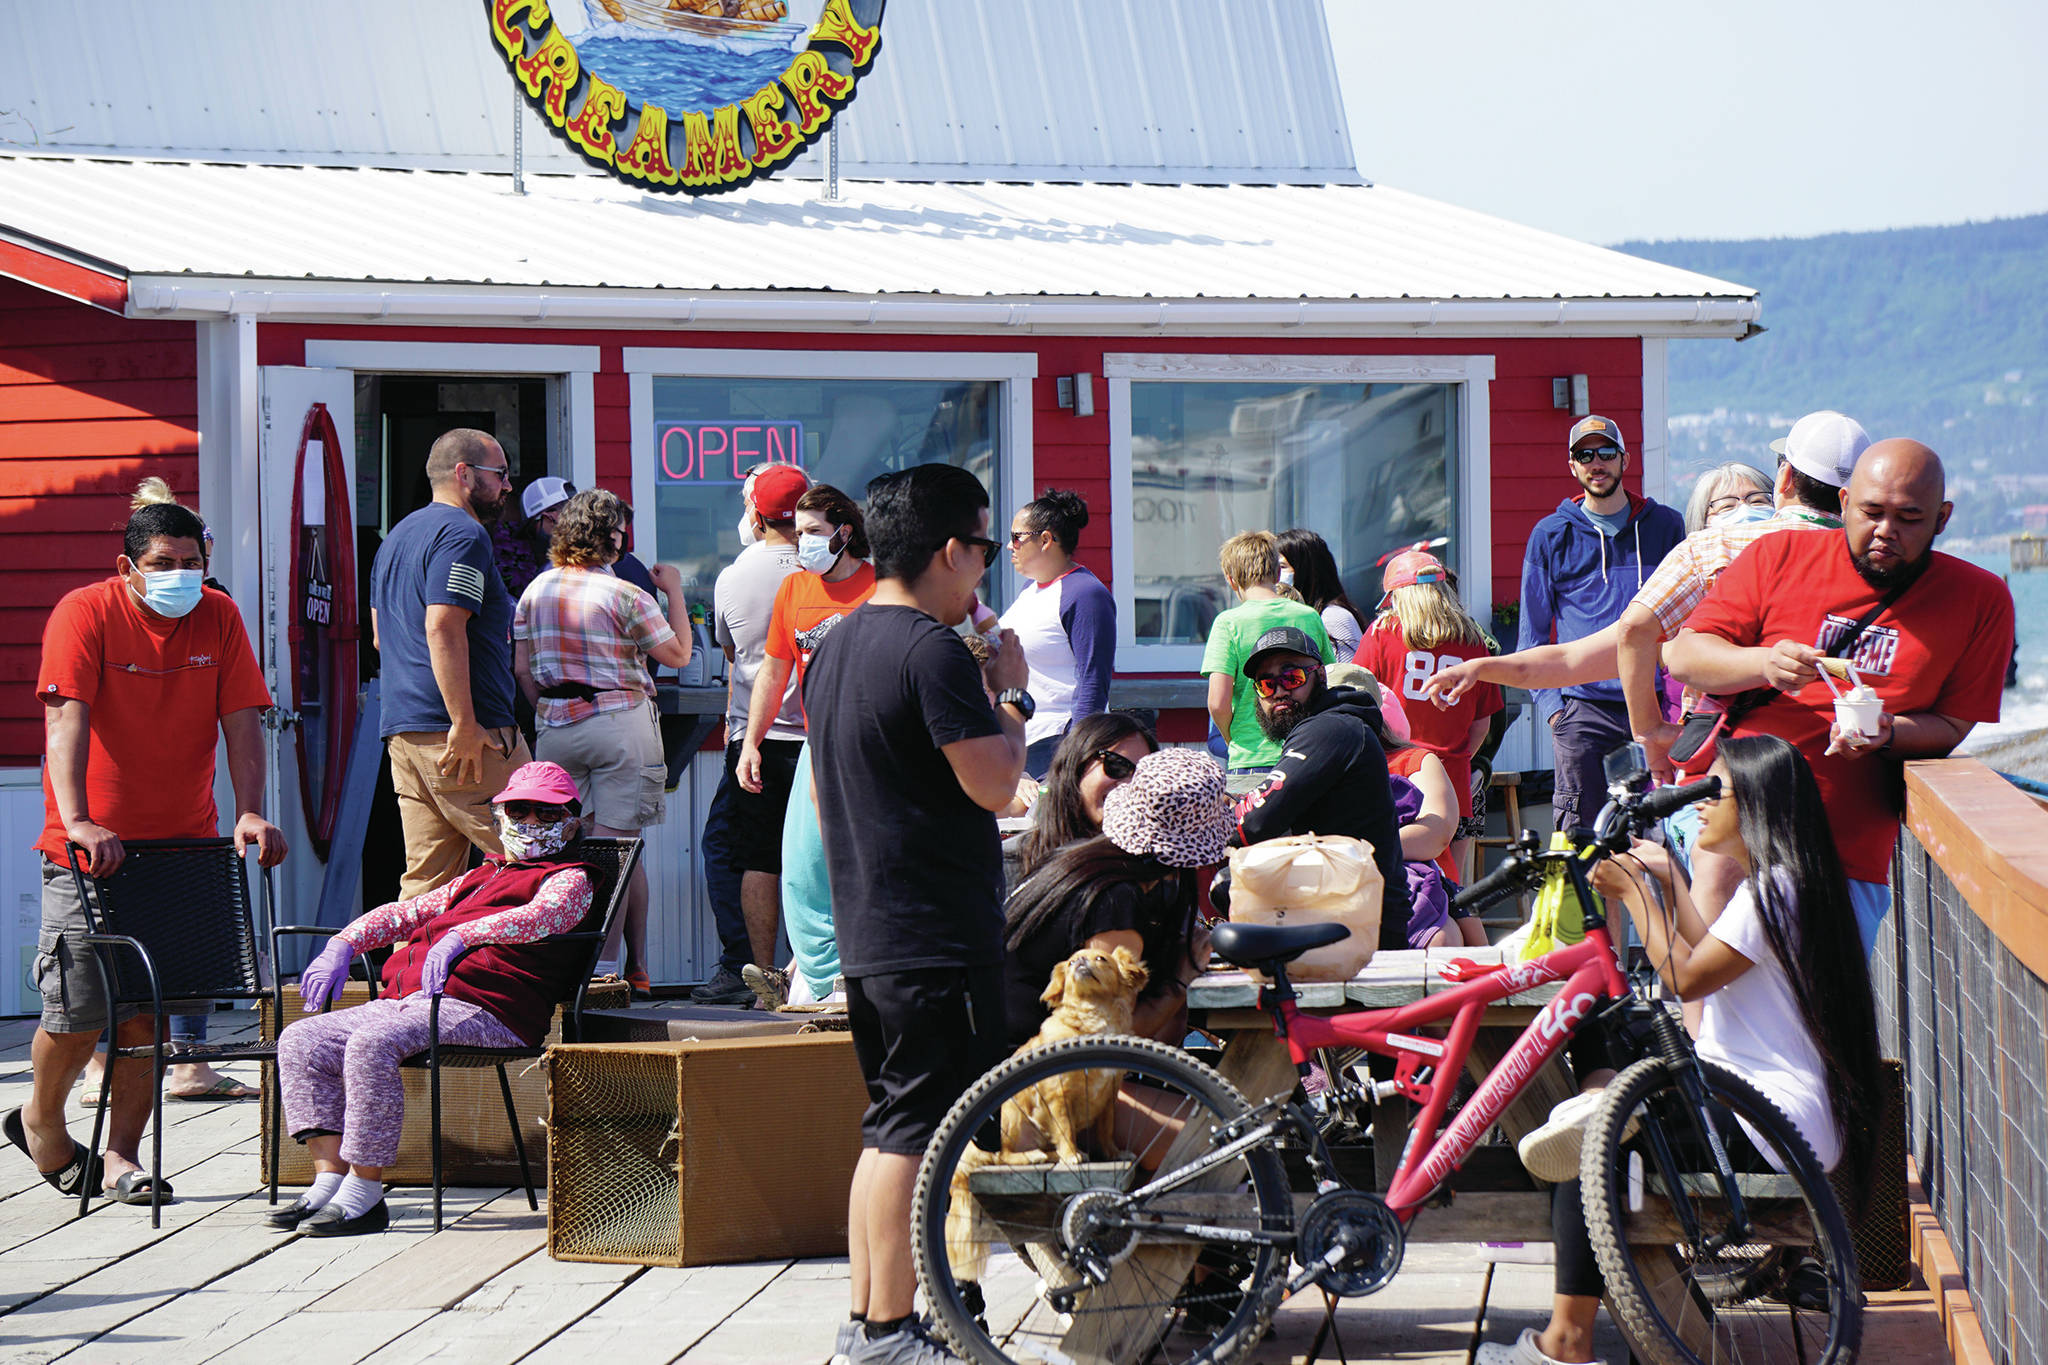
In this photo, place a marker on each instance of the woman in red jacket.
(339, 1072)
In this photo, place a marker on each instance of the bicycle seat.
(1259, 945)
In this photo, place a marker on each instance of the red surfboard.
(322, 632)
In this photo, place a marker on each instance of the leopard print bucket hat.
(1173, 809)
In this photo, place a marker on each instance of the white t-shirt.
(1753, 1026)
(742, 601)
(1344, 630)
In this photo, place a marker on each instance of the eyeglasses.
(1602, 454)
(988, 548)
(1728, 502)
(524, 811)
(1115, 766)
(1287, 679)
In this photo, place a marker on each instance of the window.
(845, 418)
(1215, 445)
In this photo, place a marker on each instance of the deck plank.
(664, 1311)
(340, 1338)
(519, 1309)
(795, 1319)
(443, 1268)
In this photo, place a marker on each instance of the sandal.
(133, 1187)
(224, 1088)
(67, 1179)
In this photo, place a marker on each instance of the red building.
(1253, 334)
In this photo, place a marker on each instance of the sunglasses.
(529, 811)
(1019, 537)
(988, 548)
(1286, 680)
(502, 473)
(1115, 766)
(1599, 454)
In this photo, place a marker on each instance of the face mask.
(1287, 577)
(815, 553)
(173, 592)
(748, 535)
(1743, 513)
(524, 842)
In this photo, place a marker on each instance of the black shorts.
(754, 821)
(922, 1037)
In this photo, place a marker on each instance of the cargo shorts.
(66, 971)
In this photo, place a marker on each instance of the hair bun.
(1069, 505)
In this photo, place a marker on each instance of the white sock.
(324, 1186)
(357, 1196)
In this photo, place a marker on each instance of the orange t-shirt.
(806, 609)
(157, 688)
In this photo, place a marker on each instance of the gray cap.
(1293, 639)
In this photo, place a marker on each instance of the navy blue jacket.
(1576, 580)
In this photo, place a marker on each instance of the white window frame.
(575, 366)
(1472, 538)
(1014, 370)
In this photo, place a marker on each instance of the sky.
(1617, 120)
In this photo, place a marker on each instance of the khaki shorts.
(441, 818)
(74, 996)
(616, 759)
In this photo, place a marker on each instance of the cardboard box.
(476, 1142)
(702, 1153)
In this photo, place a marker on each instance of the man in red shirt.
(140, 672)
(1934, 648)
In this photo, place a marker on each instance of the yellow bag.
(1559, 920)
(1312, 879)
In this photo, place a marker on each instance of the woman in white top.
(1065, 621)
(1786, 991)
(1307, 564)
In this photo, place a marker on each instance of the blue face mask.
(1743, 513)
(815, 553)
(173, 592)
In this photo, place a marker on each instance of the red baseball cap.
(1408, 568)
(548, 784)
(776, 490)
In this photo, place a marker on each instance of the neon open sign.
(723, 452)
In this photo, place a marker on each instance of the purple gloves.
(321, 981)
(434, 971)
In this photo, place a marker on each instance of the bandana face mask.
(525, 841)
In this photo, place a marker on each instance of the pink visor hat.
(543, 783)
(1407, 569)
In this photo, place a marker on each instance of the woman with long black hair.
(1787, 1002)
(1307, 564)
(1065, 620)
(1097, 755)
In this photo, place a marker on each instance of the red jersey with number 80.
(1385, 654)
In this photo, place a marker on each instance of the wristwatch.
(1019, 698)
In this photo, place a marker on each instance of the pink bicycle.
(1182, 1231)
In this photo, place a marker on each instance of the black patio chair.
(612, 861)
(173, 923)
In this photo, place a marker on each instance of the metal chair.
(172, 923)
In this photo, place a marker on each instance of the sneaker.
(1525, 1351)
(770, 985)
(1551, 1151)
(843, 1344)
(725, 988)
(910, 1344)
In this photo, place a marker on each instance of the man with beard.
(1586, 561)
(1931, 634)
(442, 624)
(1332, 773)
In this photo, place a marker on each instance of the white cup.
(1860, 713)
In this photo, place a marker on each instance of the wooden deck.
(215, 1284)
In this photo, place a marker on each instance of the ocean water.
(654, 69)
(2025, 709)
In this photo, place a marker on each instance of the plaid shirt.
(588, 626)
(1682, 579)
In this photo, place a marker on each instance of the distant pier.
(2029, 552)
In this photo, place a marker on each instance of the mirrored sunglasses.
(1285, 680)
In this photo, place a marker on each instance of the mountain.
(1940, 333)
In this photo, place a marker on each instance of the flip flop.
(132, 1187)
(226, 1088)
(67, 1179)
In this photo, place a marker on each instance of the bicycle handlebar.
(1623, 818)
(1668, 800)
(1499, 884)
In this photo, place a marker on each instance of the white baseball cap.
(1824, 445)
(543, 493)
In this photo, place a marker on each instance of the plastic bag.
(1559, 920)
(1312, 879)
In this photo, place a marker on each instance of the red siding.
(89, 404)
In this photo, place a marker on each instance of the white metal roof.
(393, 234)
(1163, 90)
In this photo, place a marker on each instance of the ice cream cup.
(1858, 711)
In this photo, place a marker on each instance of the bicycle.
(1178, 1246)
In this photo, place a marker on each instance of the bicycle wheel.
(1789, 1292)
(1027, 1256)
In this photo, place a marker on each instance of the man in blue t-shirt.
(442, 624)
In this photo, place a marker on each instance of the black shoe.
(329, 1222)
(725, 988)
(291, 1215)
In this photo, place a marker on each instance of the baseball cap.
(543, 493)
(1408, 568)
(547, 783)
(776, 490)
(1290, 638)
(1824, 445)
(1588, 427)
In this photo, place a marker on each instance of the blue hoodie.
(1576, 581)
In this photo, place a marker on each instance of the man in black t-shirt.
(909, 764)
(1332, 773)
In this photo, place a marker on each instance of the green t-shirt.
(1231, 637)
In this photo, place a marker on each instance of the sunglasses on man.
(1288, 679)
(988, 548)
(1596, 454)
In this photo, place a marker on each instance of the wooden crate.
(702, 1153)
(476, 1142)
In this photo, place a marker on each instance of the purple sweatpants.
(339, 1071)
